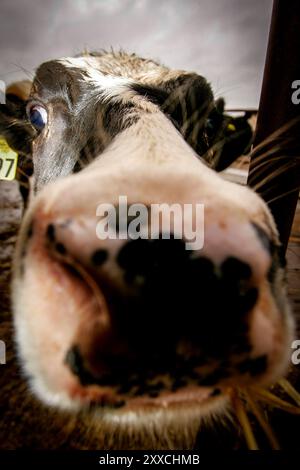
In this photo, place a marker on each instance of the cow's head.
(134, 324)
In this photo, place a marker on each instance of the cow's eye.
(37, 115)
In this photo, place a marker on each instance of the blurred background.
(225, 40)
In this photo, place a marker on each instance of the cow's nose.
(166, 304)
(179, 294)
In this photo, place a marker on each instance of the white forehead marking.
(109, 86)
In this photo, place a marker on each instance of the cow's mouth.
(146, 384)
(146, 396)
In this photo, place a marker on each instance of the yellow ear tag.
(231, 127)
(8, 161)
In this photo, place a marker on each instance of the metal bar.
(274, 180)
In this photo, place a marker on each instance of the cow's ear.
(234, 139)
(215, 135)
(227, 137)
(188, 101)
(220, 105)
(186, 98)
(14, 125)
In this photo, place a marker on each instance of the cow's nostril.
(75, 362)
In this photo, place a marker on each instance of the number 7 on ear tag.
(8, 161)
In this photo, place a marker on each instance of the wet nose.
(165, 302)
(183, 295)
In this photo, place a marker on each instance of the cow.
(142, 339)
